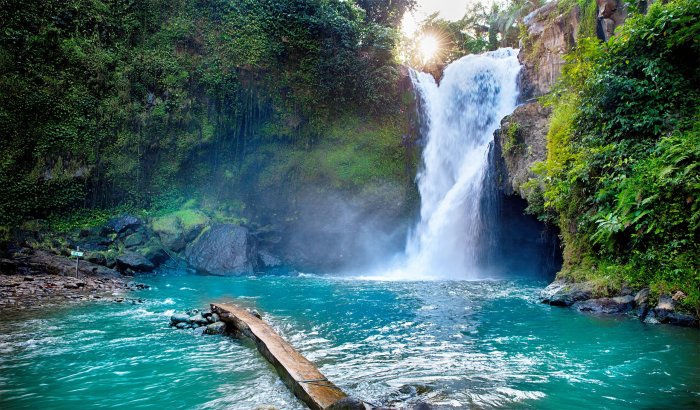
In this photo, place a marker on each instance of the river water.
(478, 344)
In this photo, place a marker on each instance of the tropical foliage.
(105, 103)
(623, 153)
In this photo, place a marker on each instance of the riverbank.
(35, 279)
(586, 297)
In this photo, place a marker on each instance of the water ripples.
(469, 344)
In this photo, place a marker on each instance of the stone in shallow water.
(619, 304)
(134, 261)
(665, 312)
(216, 328)
(348, 403)
(179, 318)
(198, 319)
(562, 293)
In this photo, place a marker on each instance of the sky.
(449, 10)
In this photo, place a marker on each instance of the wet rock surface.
(562, 293)
(224, 249)
(208, 322)
(580, 296)
(615, 305)
(135, 262)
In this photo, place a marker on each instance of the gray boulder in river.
(134, 261)
(223, 249)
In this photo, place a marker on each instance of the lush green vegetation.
(136, 104)
(623, 152)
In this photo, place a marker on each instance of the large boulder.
(121, 223)
(134, 240)
(179, 228)
(135, 262)
(223, 249)
(563, 293)
(666, 312)
(616, 305)
(216, 328)
(154, 252)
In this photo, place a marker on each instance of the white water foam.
(460, 116)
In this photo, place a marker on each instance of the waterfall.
(460, 116)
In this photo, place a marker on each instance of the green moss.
(349, 152)
(182, 220)
(511, 139)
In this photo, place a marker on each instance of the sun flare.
(428, 46)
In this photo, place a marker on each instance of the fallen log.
(297, 372)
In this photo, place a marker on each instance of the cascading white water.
(460, 115)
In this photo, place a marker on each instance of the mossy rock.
(177, 229)
(134, 240)
(96, 257)
(154, 251)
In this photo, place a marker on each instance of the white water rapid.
(460, 116)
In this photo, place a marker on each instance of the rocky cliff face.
(550, 35)
(521, 140)
(611, 14)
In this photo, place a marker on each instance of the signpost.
(77, 255)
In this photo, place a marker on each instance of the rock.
(666, 302)
(94, 243)
(616, 305)
(135, 262)
(134, 240)
(266, 407)
(215, 317)
(179, 318)
(182, 325)
(348, 403)
(520, 142)
(673, 318)
(678, 296)
(216, 328)
(642, 297)
(224, 249)
(562, 293)
(665, 312)
(641, 300)
(550, 36)
(122, 223)
(179, 228)
(96, 257)
(198, 319)
(136, 286)
(153, 251)
(611, 14)
(680, 319)
(268, 260)
(42, 261)
(256, 314)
